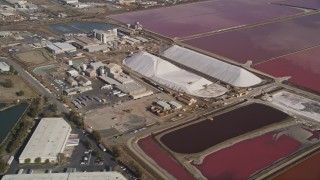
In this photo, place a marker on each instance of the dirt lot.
(18, 84)
(32, 58)
(110, 121)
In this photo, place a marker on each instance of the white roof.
(4, 66)
(67, 176)
(58, 46)
(96, 65)
(48, 140)
(170, 75)
(163, 104)
(174, 103)
(215, 68)
(64, 45)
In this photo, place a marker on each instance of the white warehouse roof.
(4, 66)
(67, 176)
(48, 140)
(171, 76)
(215, 68)
(59, 47)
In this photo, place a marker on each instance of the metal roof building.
(164, 106)
(58, 47)
(48, 140)
(175, 105)
(67, 176)
(4, 67)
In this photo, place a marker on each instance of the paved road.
(33, 82)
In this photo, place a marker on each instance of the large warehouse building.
(59, 48)
(48, 140)
(67, 176)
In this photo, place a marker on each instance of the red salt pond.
(202, 135)
(247, 157)
(263, 42)
(312, 4)
(163, 159)
(308, 169)
(303, 67)
(201, 17)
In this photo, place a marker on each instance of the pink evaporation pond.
(303, 67)
(163, 159)
(264, 42)
(201, 17)
(241, 160)
(312, 4)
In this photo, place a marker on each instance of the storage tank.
(84, 67)
(101, 71)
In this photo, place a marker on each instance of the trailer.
(102, 147)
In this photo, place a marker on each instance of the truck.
(115, 92)
(20, 171)
(121, 95)
(107, 86)
(102, 147)
(10, 160)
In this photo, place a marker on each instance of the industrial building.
(73, 73)
(102, 47)
(72, 82)
(163, 105)
(4, 67)
(105, 36)
(5, 33)
(48, 141)
(91, 73)
(111, 175)
(96, 65)
(69, 1)
(175, 105)
(84, 42)
(76, 90)
(186, 99)
(142, 94)
(59, 48)
(123, 82)
(83, 81)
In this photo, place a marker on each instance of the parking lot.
(97, 97)
(79, 154)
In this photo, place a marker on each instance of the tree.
(37, 160)
(98, 155)
(75, 118)
(47, 161)
(48, 114)
(28, 160)
(53, 107)
(62, 158)
(20, 93)
(96, 136)
(88, 145)
(15, 144)
(7, 83)
(3, 165)
(34, 110)
(116, 151)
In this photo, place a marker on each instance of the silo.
(101, 71)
